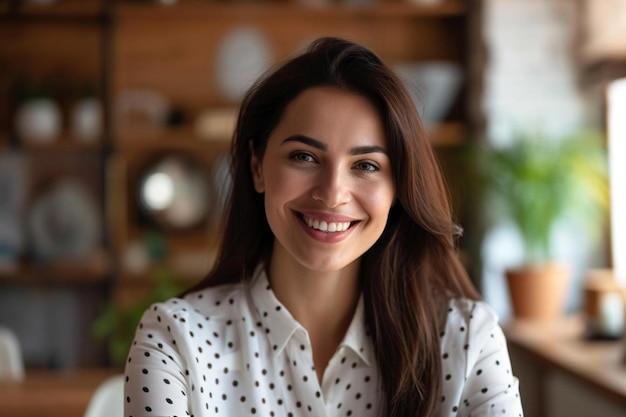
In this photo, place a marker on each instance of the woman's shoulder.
(206, 304)
(471, 331)
(470, 317)
(215, 300)
(470, 309)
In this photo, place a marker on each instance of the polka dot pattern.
(478, 380)
(236, 351)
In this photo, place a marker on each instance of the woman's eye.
(302, 157)
(367, 166)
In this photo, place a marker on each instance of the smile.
(327, 227)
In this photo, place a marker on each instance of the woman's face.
(327, 179)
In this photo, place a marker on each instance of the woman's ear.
(257, 171)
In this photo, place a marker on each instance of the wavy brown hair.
(412, 270)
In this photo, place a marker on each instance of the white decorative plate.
(243, 55)
(64, 222)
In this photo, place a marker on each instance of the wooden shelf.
(292, 9)
(185, 266)
(52, 393)
(64, 144)
(161, 138)
(92, 271)
(66, 9)
(561, 344)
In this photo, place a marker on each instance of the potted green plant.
(533, 183)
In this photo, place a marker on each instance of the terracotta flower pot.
(538, 292)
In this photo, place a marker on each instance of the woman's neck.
(322, 302)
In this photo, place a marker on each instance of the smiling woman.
(337, 290)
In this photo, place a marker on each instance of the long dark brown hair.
(411, 271)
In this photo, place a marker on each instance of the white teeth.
(325, 226)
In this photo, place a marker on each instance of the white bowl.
(433, 85)
(38, 121)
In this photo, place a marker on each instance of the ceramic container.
(87, 120)
(38, 121)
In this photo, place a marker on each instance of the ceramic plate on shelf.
(243, 55)
(64, 222)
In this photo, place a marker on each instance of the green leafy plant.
(538, 180)
(117, 324)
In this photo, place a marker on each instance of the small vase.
(87, 120)
(38, 121)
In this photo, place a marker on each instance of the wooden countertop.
(562, 344)
(51, 393)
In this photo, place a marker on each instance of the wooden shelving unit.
(59, 45)
(172, 49)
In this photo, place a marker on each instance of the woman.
(337, 290)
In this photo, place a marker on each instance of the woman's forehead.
(331, 115)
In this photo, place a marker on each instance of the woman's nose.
(332, 188)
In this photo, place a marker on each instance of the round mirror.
(175, 193)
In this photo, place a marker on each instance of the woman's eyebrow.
(307, 141)
(359, 150)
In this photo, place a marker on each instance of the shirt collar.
(358, 337)
(281, 326)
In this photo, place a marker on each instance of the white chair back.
(11, 361)
(108, 399)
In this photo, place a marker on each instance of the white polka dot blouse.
(236, 351)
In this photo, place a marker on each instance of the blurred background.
(115, 122)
